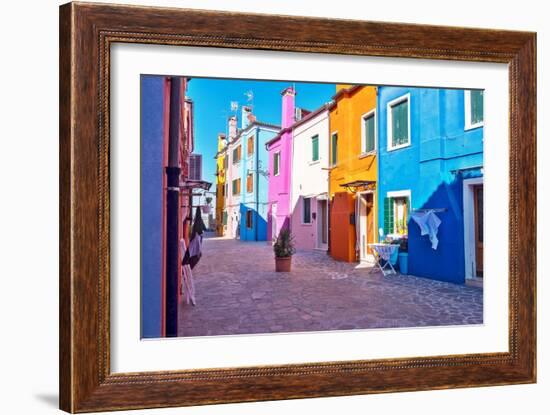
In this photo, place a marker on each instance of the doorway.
(366, 225)
(322, 224)
(473, 229)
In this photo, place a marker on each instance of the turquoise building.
(430, 149)
(254, 178)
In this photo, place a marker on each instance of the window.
(315, 148)
(276, 163)
(224, 218)
(398, 123)
(225, 163)
(473, 109)
(225, 189)
(334, 149)
(368, 129)
(396, 213)
(236, 154)
(249, 219)
(250, 145)
(306, 210)
(249, 182)
(237, 187)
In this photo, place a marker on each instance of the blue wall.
(430, 169)
(257, 199)
(152, 89)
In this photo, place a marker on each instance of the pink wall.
(279, 186)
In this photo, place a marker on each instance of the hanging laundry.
(429, 224)
(191, 256)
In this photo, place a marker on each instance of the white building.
(309, 187)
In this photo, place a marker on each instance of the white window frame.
(400, 194)
(334, 133)
(310, 211)
(392, 103)
(468, 112)
(364, 132)
(278, 163)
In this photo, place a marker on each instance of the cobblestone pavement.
(238, 292)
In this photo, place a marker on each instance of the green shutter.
(369, 134)
(315, 148)
(400, 120)
(225, 217)
(388, 215)
(334, 146)
(476, 106)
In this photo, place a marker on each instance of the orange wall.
(345, 118)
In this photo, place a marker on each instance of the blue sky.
(212, 102)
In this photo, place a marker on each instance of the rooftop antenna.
(249, 97)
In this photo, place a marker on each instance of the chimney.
(232, 127)
(221, 141)
(246, 112)
(288, 114)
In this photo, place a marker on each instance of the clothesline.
(435, 210)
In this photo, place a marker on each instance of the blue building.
(430, 147)
(253, 206)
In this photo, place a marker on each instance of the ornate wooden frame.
(86, 33)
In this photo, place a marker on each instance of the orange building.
(353, 173)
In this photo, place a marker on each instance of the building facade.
(221, 176)
(166, 145)
(280, 162)
(254, 179)
(309, 184)
(431, 158)
(353, 173)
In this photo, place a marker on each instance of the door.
(274, 221)
(366, 225)
(370, 220)
(478, 228)
(322, 224)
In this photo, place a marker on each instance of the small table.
(385, 252)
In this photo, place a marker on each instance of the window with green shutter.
(225, 217)
(476, 107)
(388, 216)
(399, 123)
(315, 148)
(334, 149)
(369, 133)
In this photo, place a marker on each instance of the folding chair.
(384, 251)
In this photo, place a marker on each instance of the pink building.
(280, 165)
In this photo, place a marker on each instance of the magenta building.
(280, 166)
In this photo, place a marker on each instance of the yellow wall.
(345, 118)
(220, 183)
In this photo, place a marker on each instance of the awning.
(195, 184)
(357, 185)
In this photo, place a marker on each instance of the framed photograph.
(252, 208)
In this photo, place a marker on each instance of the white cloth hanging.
(429, 224)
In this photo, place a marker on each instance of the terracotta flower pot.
(282, 264)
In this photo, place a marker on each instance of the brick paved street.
(238, 292)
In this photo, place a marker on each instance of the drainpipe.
(172, 209)
(256, 182)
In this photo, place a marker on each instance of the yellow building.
(221, 188)
(353, 172)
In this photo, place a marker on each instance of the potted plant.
(283, 249)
